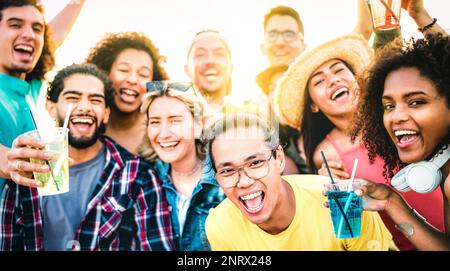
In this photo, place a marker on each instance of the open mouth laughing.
(211, 74)
(128, 95)
(24, 51)
(168, 145)
(339, 93)
(82, 123)
(254, 202)
(405, 138)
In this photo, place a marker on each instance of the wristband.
(428, 26)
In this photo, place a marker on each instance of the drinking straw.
(46, 161)
(61, 157)
(350, 185)
(347, 205)
(349, 199)
(66, 120)
(334, 197)
(389, 10)
(326, 165)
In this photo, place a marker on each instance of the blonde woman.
(175, 119)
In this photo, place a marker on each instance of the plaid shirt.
(128, 211)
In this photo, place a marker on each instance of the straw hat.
(353, 49)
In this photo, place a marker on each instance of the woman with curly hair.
(404, 117)
(131, 60)
(175, 145)
(319, 95)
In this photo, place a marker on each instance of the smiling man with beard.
(114, 202)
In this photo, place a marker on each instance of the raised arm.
(423, 19)
(364, 20)
(63, 22)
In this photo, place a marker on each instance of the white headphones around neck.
(422, 177)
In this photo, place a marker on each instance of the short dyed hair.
(242, 120)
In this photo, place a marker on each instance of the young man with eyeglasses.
(283, 36)
(283, 42)
(265, 211)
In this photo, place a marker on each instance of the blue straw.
(335, 199)
(326, 165)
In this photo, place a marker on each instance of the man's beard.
(85, 142)
(16, 71)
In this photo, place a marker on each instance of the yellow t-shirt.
(311, 229)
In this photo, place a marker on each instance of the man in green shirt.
(26, 55)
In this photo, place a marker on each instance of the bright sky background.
(171, 24)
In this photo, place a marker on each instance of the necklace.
(190, 173)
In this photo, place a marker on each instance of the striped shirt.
(128, 210)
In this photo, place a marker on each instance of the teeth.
(251, 196)
(280, 53)
(342, 90)
(404, 132)
(207, 73)
(82, 121)
(24, 48)
(167, 144)
(130, 92)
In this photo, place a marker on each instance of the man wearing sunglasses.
(265, 211)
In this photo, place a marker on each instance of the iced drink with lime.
(56, 181)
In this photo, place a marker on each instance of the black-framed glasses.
(162, 86)
(229, 177)
(288, 35)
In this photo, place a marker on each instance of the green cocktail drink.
(57, 180)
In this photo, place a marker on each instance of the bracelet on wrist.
(428, 26)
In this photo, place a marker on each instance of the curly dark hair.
(105, 52)
(46, 60)
(57, 85)
(431, 56)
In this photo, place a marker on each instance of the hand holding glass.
(57, 180)
(345, 216)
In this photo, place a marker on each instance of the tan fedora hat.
(353, 49)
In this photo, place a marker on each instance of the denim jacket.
(206, 195)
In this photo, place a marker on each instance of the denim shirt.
(206, 196)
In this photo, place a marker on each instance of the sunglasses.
(162, 86)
